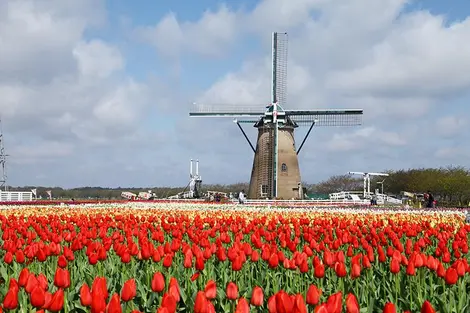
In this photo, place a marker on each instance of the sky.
(97, 93)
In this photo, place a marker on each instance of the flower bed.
(162, 257)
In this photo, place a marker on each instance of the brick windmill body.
(275, 172)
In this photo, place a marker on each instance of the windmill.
(366, 177)
(275, 172)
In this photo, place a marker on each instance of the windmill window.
(283, 167)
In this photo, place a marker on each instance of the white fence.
(354, 195)
(328, 202)
(15, 196)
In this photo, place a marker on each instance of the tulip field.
(203, 258)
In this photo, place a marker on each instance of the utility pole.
(3, 160)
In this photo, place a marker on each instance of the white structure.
(128, 195)
(146, 195)
(355, 196)
(15, 196)
(195, 182)
(366, 176)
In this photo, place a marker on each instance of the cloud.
(67, 96)
(211, 35)
(398, 63)
(44, 152)
(449, 126)
(365, 138)
(97, 59)
(452, 153)
(418, 58)
(78, 109)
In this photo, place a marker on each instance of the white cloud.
(399, 66)
(35, 153)
(211, 35)
(97, 59)
(365, 138)
(65, 95)
(449, 126)
(452, 153)
(68, 97)
(420, 56)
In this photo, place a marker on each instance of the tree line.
(450, 185)
(115, 193)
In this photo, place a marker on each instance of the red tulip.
(210, 289)
(62, 261)
(10, 301)
(334, 302)
(38, 297)
(8, 258)
(232, 291)
(299, 304)
(340, 269)
(169, 302)
(19, 256)
(85, 295)
(129, 290)
(395, 266)
(242, 306)
(56, 303)
(451, 276)
(195, 276)
(273, 260)
(42, 281)
(23, 278)
(98, 302)
(352, 306)
(313, 295)
(427, 307)
(200, 304)
(319, 270)
(355, 270)
(284, 303)
(257, 296)
(272, 304)
(31, 283)
(114, 305)
(389, 308)
(321, 309)
(62, 278)
(158, 282)
(174, 289)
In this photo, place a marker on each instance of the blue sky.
(108, 102)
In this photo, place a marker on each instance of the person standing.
(241, 197)
(429, 200)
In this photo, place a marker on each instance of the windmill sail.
(279, 69)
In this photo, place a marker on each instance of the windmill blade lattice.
(327, 117)
(279, 75)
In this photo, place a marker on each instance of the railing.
(344, 194)
(329, 202)
(381, 198)
(15, 196)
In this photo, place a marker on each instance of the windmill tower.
(275, 172)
